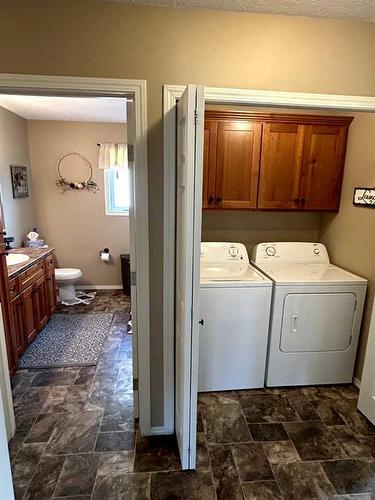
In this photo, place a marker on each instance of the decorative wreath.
(66, 185)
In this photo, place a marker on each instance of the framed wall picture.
(20, 183)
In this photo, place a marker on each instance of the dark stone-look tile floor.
(77, 439)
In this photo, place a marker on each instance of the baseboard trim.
(158, 431)
(357, 382)
(99, 287)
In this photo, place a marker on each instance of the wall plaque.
(364, 197)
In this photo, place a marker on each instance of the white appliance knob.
(270, 251)
(233, 251)
(316, 251)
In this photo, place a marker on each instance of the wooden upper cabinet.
(209, 163)
(280, 168)
(270, 161)
(237, 164)
(323, 165)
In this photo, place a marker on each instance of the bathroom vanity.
(32, 292)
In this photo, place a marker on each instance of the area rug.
(68, 340)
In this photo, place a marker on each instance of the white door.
(6, 485)
(133, 289)
(366, 402)
(190, 120)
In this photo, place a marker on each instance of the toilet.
(65, 279)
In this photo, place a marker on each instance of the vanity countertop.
(35, 254)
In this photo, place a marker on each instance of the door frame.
(217, 95)
(111, 87)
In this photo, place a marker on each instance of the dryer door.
(314, 322)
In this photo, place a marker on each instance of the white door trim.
(136, 89)
(171, 94)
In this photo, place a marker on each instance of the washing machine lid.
(231, 274)
(310, 274)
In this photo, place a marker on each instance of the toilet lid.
(67, 273)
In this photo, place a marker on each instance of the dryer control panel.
(298, 252)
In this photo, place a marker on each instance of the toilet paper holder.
(104, 254)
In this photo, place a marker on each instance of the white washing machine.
(235, 310)
(316, 315)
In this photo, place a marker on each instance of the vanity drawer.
(49, 263)
(28, 277)
(14, 289)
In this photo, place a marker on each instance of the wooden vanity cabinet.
(273, 162)
(18, 325)
(33, 301)
(29, 317)
(40, 302)
(51, 292)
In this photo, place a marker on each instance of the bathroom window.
(117, 191)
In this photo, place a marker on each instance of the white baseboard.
(158, 431)
(98, 287)
(357, 382)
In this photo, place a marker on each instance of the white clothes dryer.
(316, 315)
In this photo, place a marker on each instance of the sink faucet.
(8, 240)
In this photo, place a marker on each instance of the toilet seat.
(67, 273)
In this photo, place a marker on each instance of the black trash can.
(125, 272)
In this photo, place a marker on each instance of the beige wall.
(75, 222)
(350, 235)
(19, 214)
(161, 45)
(251, 228)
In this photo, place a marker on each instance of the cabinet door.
(18, 333)
(280, 169)
(51, 292)
(40, 302)
(323, 164)
(29, 314)
(209, 163)
(238, 152)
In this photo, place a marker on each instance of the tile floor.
(76, 438)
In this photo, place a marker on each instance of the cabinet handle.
(303, 201)
(218, 200)
(210, 200)
(4, 253)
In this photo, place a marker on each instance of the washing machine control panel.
(223, 252)
(271, 251)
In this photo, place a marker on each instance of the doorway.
(220, 96)
(134, 93)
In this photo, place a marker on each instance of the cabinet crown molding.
(301, 119)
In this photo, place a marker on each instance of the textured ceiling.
(79, 109)
(361, 10)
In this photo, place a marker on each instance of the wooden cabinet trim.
(300, 119)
